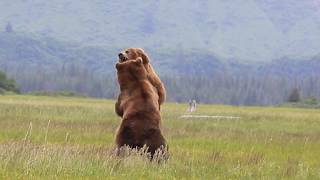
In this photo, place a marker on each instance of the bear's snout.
(122, 57)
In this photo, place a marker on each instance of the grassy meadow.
(71, 138)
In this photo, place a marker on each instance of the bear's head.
(133, 53)
(131, 71)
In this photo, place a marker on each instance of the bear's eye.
(127, 52)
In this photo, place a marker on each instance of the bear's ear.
(144, 56)
(139, 61)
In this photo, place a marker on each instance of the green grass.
(72, 138)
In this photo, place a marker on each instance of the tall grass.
(46, 137)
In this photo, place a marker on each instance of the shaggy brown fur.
(139, 106)
(134, 53)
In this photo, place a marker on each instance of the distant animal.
(134, 53)
(139, 106)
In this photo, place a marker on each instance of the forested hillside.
(43, 64)
(243, 30)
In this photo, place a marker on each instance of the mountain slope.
(42, 64)
(252, 30)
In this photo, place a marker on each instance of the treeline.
(40, 64)
(7, 84)
(240, 90)
(220, 87)
(69, 77)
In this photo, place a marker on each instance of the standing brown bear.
(134, 53)
(140, 108)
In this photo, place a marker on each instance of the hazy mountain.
(43, 64)
(242, 30)
(216, 51)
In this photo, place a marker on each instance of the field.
(72, 138)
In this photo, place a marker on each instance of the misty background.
(239, 52)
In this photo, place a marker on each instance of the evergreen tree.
(7, 84)
(294, 96)
(9, 28)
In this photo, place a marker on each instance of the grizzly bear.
(140, 125)
(134, 53)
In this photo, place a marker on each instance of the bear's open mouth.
(123, 59)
